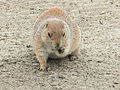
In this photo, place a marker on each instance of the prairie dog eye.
(63, 34)
(50, 35)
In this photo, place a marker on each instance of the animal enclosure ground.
(99, 65)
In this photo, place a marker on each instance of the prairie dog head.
(56, 36)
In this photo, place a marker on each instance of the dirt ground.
(99, 65)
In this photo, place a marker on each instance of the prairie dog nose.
(61, 50)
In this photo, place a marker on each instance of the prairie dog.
(56, 35)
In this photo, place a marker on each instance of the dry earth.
(99, 65)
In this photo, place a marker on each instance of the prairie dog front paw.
(72, 57)
(43, 67)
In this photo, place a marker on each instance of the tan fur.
(56, 35)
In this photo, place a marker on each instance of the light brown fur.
(56, 35)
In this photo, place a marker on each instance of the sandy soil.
(99, 65)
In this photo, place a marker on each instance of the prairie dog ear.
(46, 25)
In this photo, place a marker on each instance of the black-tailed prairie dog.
(56, 35)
